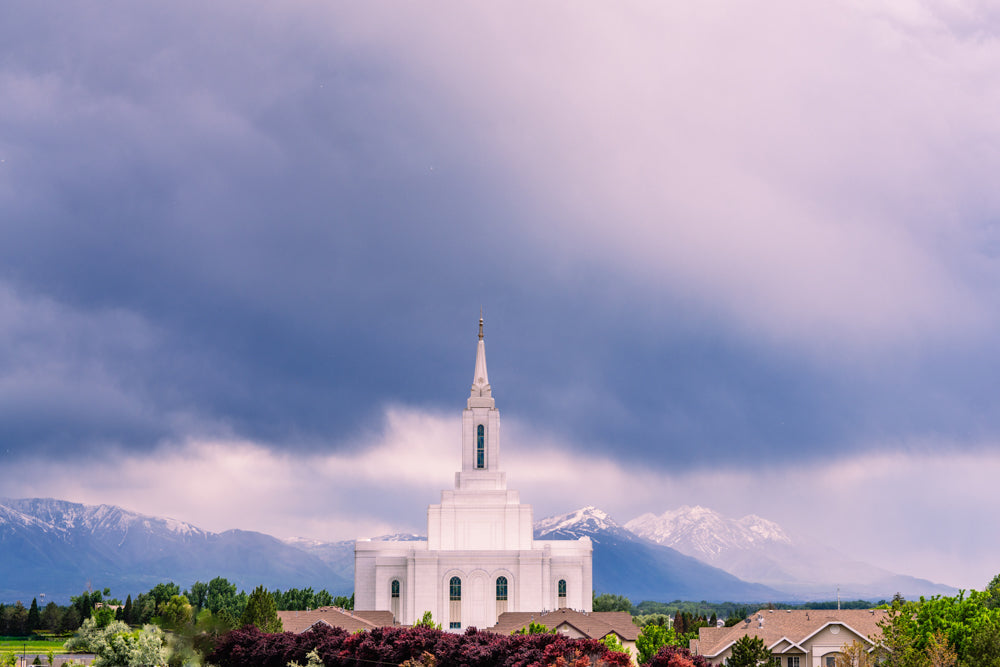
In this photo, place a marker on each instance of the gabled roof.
(594, 624)
(352, 621)
(793, 626)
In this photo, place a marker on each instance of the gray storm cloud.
(707, 237)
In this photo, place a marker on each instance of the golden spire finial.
(480, 322)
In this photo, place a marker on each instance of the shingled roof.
(794, 626)
(352, 621)
(594, 624)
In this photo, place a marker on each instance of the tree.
(261, 611)
(939, 652)
(855, 654)
(163, 592)
(749, 652)
(651, 638)
(34, 618)
(897, 643)
(90, 633)
(197, 596)
(126, 648)
(534, 628)
(128, 611)
(221, 596)
(344, 602)
(176, 612)
(676, 656)
(427, 622)
(312, 660)
(609, 602)
(992, 593)
(51, 617)
(613, 643)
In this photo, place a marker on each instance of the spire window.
(562, 593)
(481, 447)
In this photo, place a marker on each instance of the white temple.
(480, 558)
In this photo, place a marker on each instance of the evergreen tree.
(34, 617)
(261, 611)
(749, 652)
(127, 611)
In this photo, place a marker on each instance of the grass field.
(32, 645)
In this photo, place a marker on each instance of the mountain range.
(60, 548)
(756, 549)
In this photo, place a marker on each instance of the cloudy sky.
(741, 255)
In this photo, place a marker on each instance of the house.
(352, 621)
(797, 638)
(480, 559)
(575, 624)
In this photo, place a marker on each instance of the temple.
(480, 558)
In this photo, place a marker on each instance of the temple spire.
(481, 379)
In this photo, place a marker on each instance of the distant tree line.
(219, 598)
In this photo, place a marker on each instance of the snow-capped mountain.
(586, 521)
(59, 548)
(706, 534)
(640, 569)
(756, 549)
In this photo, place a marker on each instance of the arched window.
(501, 595)
(481, 446)
(455, 603)
(394, 598)
(562, 593)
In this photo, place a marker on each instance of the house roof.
(352, 621)
(594, 624)
(794, 626)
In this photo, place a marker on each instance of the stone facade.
(480, 558)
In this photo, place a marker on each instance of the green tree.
(613, 643)
(898, 643)
(651, 638)
(128, 611)
(34, 617)
(992, 593)
(197, 596)
(103, 615)
(312, 660)
(534, 628)
(344, 602)
(427, 622)
(261, 611)
(221, 596)
(17, 620)
(749, 652)
(176, 613)
(163, 592)
(609, 602)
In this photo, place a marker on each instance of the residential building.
(575, 624)
(797, 638)
(352, 621)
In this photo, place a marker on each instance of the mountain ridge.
(760, 550)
